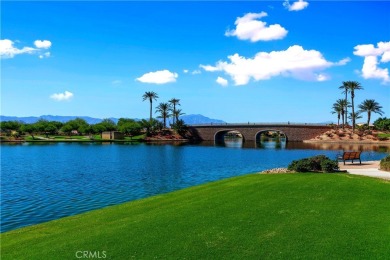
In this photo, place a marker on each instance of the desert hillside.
(347, 135)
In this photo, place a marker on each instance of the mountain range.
(188, 119)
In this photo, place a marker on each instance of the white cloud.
(158, 77)
(195, 72)
(249, 27)
(62, 96)
(370, 69)
(8, 50)
(45, 44)
(45, 55)
(221, 81)
(294, 62)
(209, 68)
(296, 6)
(185, 71)
(322, 77)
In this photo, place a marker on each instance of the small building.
(112, 135)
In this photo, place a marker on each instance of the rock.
(277, 170)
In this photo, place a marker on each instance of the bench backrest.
(351, 155)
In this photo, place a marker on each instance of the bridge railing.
(260, 124)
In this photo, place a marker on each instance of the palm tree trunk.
(368, 119)
(342, 117)
(346, 107)
(338, 121)
(150, 110)
(174, 110)
(353, 111)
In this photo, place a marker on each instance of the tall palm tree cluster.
(165, 109)
(340, 107)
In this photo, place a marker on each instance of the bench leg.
(344, 162)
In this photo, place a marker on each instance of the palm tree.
(370, 106)
(355, 116)
(177, 113)
(174, 102)
(352, 86)
(342, 105)
(163, 109)
(345, 91)
(336, 109)
(150, 95)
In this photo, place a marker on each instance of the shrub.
(329, 165)
(382, 124)
(316, 163)
(385, 163)
(303, 165)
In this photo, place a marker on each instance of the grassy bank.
(284, 216)
(72, 138)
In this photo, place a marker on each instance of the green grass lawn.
(282, 216)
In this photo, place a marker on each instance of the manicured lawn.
(283, 216)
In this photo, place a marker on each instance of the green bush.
(382, 124)
(385, 163)
(303, 165)
(329, 165)
(313, 164)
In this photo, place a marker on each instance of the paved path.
(367, 168)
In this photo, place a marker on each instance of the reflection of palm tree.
(150, 95)
(352, 86)
(370, 106)
(174, 102)
(163, 109)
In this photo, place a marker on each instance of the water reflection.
(272, 144)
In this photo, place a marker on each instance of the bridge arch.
(258, 134)
(219, 135)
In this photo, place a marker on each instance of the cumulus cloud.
(296, 6)
(249, 27)
(185, 71)
(294, 62)
(45, 55)
(158, 77)
(371, 69)
(195, 72)
(221, 81)
(62, 96)
(45, 44)
(9, 50)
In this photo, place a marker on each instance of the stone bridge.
(251, 132)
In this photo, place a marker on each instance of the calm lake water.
(42, 182)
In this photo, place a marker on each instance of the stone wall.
(249, 132)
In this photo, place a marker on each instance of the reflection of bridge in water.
(252, 131)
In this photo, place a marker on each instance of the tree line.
(127, 126)
(340, 107)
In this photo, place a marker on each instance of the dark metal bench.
(350, 156)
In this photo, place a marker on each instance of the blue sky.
(255, 61)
